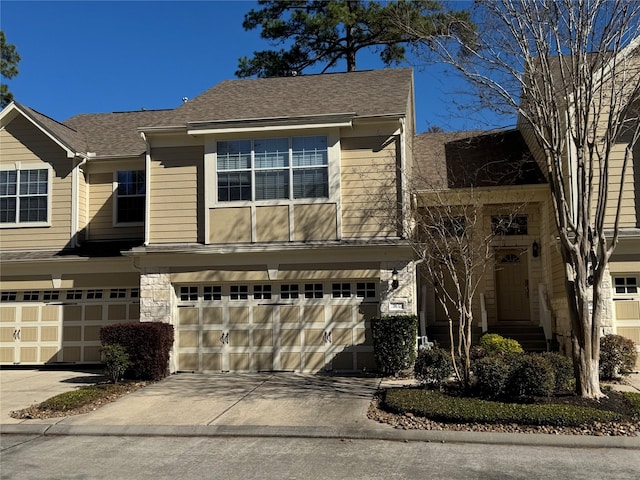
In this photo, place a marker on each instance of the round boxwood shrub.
(531, 376)
(494, 344)
(617, 356)
(433, 367)
(394, 342)
(563, 370)
(491, 376)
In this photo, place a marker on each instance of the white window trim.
(333, 169)
(115, 197)
(16, 166)
(625, 295)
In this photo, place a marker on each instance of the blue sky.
(95, 56)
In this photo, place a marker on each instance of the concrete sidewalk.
(274, 405)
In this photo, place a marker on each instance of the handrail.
(545, 312)
(483, 313)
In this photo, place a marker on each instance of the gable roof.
(66, 137)
(479, 159)
(115, 134)
(363, 93)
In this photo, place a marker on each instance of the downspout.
(75, 201)
(147, 187)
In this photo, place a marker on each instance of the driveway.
(269, 399)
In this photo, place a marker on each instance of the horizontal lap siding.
(22, 142)
(174, 194)
(368, 186)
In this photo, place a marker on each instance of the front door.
(512, 285)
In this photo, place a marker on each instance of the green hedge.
(394, 342)
(440, 407)
(147, 344)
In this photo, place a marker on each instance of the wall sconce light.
(535, 249)
(394, 279)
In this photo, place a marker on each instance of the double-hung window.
(272, 169)
(130, 197)
(24, 196)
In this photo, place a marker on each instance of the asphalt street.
(98, 457)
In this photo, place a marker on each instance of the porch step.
(531, 338)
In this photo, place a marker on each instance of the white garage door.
(304, 327)
(49, 326)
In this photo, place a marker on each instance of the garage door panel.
(72, 334)
(7, 314)
(342, 360)
(342, 336)
(211, 338)
(28, 354)
(188, 361)
(30, 314)
(290, 337)
(366, 361)
(363, 336)
(49, 354)
(341, 313)
(366, 312)
(93, 313)
(212, 361)
(263, 337)
(212, 316)
(313, 314)
(92, 333)
(50, 313)
(117, 313)
(7, 354)
(71, 354)
(92, 354)
(238, 315)
(314, 361)
(239, 362)
(188, 339)
(263, 361)
(134, 312)
(72, 313)
(188, 316)
(290, 360)
(7, 335)
(49, 334)
(262, 315)
(239, 338)
(314, 337)
(289, 314)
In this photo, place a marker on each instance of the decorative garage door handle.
(224, 338)
(16, 334)
(326, 336)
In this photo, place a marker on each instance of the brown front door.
(512, 285)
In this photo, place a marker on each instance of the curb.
(435, 436)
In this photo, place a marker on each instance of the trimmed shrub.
(440, 407)
(394, 342)
(148, 345)
(116, 362)
(494, 344)
(617, 356)
(531, 376)
(433, 367)
(492, 375)
(563, 370)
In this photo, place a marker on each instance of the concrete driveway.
(269, 399)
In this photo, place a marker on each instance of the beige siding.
(315, 222)
(230, 225)
(22, 142)
(175, 198)
(83, 201)
(101, 210)
(272, 224)
(368, 186)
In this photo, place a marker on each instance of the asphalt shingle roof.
(67, 135)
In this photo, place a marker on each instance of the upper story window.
(24, 196)
(509, 224)
(130, 197)
(272, 169)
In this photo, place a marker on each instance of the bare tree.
(570, 71)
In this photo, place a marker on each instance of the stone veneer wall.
(404, 295)
(156, 296)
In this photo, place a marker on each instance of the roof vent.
(185, 99)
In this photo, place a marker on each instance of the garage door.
(305, 327)
(38, 327)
